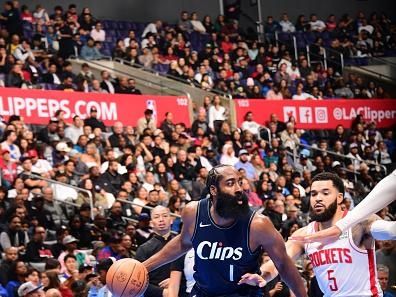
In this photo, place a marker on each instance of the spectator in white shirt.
(317, 25)
(354, 161)
(98, 34)
(149, 41)
(381, 155)
(153, 28)
(366, 27)
(286, 59)
(294, 72)
(228, 155)
(196, 23)
(74, 131)
(23, 52)
(300, 94)
(40, 15)
(250, 125)
(217, 112)
(40, 166)
(8, 144)
(201, 72)
(131, 36)
(286, 25)
(204, 161)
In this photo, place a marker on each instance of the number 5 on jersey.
(332, 280)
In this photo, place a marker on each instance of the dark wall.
(136, 10)
(168, 10)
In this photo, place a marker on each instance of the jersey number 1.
(332, 281)
(231, 273)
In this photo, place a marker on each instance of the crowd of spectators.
(48, 235)
(230, 61)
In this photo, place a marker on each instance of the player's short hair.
(214, 176)
(337, 182)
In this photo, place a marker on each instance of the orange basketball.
(127, 277)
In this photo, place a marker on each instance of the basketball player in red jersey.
(345, 267)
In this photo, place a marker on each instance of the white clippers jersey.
(342, 269)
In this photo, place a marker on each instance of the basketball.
(127, 277)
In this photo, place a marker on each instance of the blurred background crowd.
(74, 194)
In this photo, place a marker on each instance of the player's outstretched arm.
(382, 195)
(269, 238)
(178, 245)
(379, 229)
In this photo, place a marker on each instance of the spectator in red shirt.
(8, 168)
(226, 44)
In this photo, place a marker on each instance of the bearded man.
(346, 266)
(228, 238)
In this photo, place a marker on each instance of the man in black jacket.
(51, 77)
(274, 213)
(159, 278)
(167, 126)
(185, 169)
(111, 179)
(46, 133)
(115, 221)
(93, 121)
(107, 84)
(114, 139)
(36, 250)
(38, 212)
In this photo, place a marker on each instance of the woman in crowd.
(228, 155)
(162, 176)
(140, 200)
(99, 199)
(175, 206)
(17, 274)
(53, 282)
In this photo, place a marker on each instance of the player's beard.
(326, 215)
(229, 206)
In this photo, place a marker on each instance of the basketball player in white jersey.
(345, 267)
(382, 195)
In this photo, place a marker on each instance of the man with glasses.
(36, 250)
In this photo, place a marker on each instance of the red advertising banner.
(319, 114)
(37, 106)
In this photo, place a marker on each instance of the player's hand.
(165, 283)
(324, 237)
(278, 287)
(252, 280)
